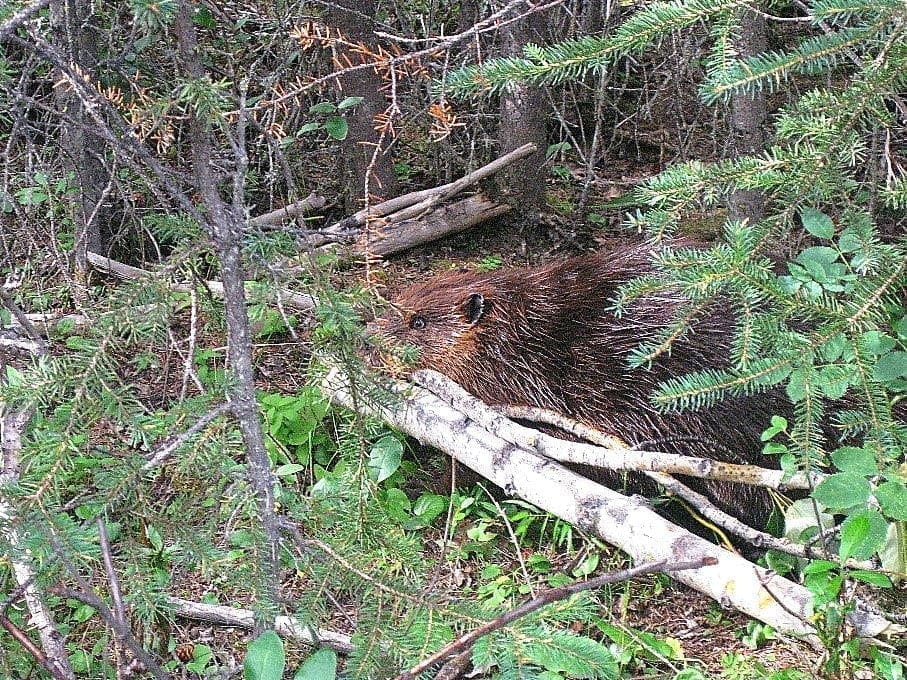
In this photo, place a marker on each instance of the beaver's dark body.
(546, 337)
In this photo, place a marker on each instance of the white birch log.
(628, 523)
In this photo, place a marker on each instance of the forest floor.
(722, 642)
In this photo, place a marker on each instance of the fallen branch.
(627, 523)
(398, 235)
(286, 626)
(299, 301)
(417, 202)
(309, 204)
(608, 452)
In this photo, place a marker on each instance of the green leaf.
(429, 505)
(876, 342)
(154, 538)
(817, 223)
(336, 127)
(265, 658)
(849, 242)
(862, 534)
(892, 498)
(842, 490)
(322, 107)
(901, 327)
(384, 458)
(778, 424)
(871, 577)
(890, 367)
(818, 255)
(308, 127)
(855, 460)
(322, 665)
(349, 102)
(289, 469)
(797, 385)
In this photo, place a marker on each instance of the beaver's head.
(439, 320)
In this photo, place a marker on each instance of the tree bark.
(224, 223)
(748, 113)
(369, 169)
(523, 113)
(75, 35)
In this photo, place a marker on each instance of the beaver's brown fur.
(546, 336)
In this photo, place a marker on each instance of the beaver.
(548, 336)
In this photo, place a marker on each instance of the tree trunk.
(748, 118)
(224, 224)
(523, 113)
(369, 168)
(75, 33)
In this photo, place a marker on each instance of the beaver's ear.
(476, 307)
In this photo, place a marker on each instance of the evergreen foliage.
(830, 327)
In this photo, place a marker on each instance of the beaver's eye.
(417, 323)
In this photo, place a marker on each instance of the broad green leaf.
(265, 658)
(842, 490)
(428, 506)
(797, 385)
(384, 458)
(322, 665)
(849, 242)
(817, 223)
(322, 107)
(892, 498)
(348, 102)
(818, 255)
(876, 342)
(855, 460)
(289, 469)
(862, 534)
(890, 367)
(871, 577)
(337, 128)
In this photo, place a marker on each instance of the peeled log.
(624, 522)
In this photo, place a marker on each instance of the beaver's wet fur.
(547, 336)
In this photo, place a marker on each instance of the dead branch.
(544, 598)
(45, 324)
(415, 203)
(398, 235)
(627, 523)
(299, 301)
(611, 453)
(23, 15)
(286, 626)
(308, 205)
(608, 452)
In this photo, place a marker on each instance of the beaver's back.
(547, 336)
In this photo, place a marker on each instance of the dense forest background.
(201, 203)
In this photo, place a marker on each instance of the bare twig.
(544, 598)
(299, 301)
(86, 595)
(20, 17)
(25, 642)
